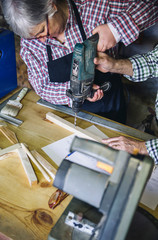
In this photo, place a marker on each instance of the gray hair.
(23, 15)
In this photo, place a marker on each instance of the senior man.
(51, 28)
(137, 69)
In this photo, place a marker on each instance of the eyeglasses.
(45, 36)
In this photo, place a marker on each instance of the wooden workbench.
(24, 210)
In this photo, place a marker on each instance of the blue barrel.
(8, 76)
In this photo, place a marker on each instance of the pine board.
(24, 210)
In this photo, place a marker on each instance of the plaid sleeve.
(38, 77)
(131, 17)
(152, 148)
(144, 66)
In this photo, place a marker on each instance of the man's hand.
(104, 63)
(97, 95)
(106, 38)
(126, 144)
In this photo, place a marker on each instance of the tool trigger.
(105, 86)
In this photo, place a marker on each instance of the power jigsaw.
(82, 73)
(106, 188)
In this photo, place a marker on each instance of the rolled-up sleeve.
(131, 17)
(144, 66)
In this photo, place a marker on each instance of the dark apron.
(112, 105)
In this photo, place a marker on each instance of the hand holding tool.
(83, 72)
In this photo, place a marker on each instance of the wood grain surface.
(24, 210)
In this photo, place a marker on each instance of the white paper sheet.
(58, 150)
(150, 194)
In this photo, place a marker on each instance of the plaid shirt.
(128, 17)
(146, 66)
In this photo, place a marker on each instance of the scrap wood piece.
(10, 135)
(69, 126)
(7, 152)
(12, 148)
(45, 164)
(27, 167)
(7, 155)
(35, 162)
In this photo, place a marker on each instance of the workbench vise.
(113, 186)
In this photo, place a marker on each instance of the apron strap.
(49, 52)
(77, 15)
(79, 22)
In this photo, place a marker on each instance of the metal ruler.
(99, 121)
(6, 118)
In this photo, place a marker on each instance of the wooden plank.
(103, 122)
(12, 148)
(7, 152)
(6, 155)
(35, 162)
(69, 126)
(27, 167)
(24, 210)
(45, 164)
(10, 135)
